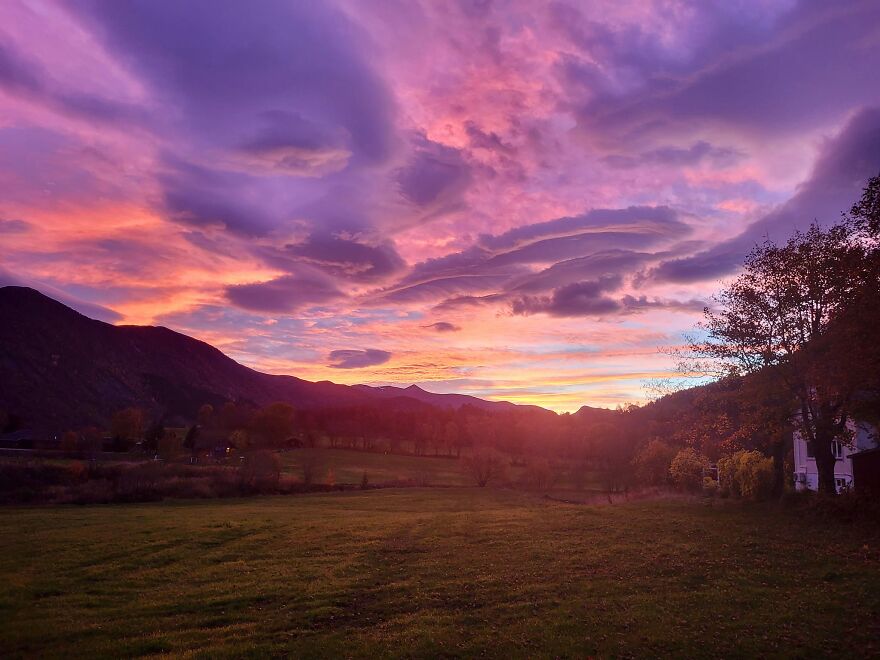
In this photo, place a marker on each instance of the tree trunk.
(825, 461)
(779, 449)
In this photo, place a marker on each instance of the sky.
(518, 200)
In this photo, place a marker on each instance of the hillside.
(59, 369)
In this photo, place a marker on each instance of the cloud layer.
(501, 199)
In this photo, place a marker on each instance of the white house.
(806, 476)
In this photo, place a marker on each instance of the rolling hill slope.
(61, 369)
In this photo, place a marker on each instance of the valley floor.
(434, 572)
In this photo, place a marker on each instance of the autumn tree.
(856, 330)
(127, 424)
(686, 469)
(775, 318)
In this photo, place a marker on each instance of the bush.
(687, 468)
(746, 474)
(710, 486)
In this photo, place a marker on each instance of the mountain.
(446, 401)
(60, 369)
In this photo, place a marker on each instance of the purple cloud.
(442, 326)
(357, 359)
(13, 226)
(284, 294)
(435, 174)
(248, 61)
(766, 77)
(577, 299)
(343, 257)
(672, 156)
(845, 164)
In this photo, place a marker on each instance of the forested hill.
(61, 369)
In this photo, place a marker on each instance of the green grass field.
(433, 572)
(349, 466)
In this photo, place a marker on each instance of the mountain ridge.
(60, 368)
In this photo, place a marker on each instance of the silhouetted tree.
(774, 319)
(485, 467)
(191, 441)
(274, 424)
(652, 463)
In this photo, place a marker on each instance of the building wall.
(805, 471)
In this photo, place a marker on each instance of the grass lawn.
(433, 572)
(349, 466)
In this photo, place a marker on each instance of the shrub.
(686, 470)
(746, 474)
(710, 486)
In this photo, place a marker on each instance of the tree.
(484, 466)
(191, 442)
(747, 474)
(274, 424)
(205, 415)
(310, 464)
(153, 437)
(127, 424)
(239, 439)
(687, 468)
(775, 319)
(616, 451)
(865, 213)
(652, 463)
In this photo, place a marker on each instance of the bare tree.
(484, 467)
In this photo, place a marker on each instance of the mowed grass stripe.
(427, 572)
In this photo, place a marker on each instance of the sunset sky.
(517, 200)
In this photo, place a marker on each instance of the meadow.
(346, 466)
(434, 572)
